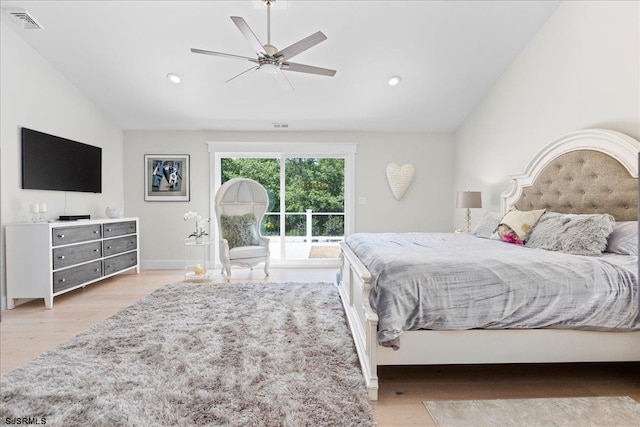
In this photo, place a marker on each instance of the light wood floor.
(30, 329)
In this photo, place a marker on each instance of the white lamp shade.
(469, 199)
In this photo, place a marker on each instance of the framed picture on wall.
(166, 177)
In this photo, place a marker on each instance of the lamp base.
(468, 229)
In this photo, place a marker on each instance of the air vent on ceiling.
(23, 19)
(280, 125)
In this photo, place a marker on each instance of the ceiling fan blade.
(248, 34)
(301, 68)
(224, 55)
(301, 46)
(238, 75)
(283, 81)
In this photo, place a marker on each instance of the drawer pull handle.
(61, 236)
(63, 280)
(95, 232)
(61, 257)
(97, 270)
(96, 250)
(108, 247)
(108, 229)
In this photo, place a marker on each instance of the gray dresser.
(47, 259)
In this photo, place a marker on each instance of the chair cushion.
(239, 230)
(247, 252)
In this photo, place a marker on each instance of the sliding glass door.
(313, 207)
(305, 219)
(309, 198)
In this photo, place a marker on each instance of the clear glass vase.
(199, 234)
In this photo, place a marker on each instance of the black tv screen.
(53, 163)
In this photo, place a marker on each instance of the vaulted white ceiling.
(448, 53)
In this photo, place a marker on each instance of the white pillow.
(624, 238)
(516, 225)
(487, 225)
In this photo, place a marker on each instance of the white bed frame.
(426, 347)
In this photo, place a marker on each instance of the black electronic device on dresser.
(73, 217)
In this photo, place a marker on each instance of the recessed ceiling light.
(394, 80)
(174, 78)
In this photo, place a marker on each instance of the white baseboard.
(165, 264)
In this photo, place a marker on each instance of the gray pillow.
(239, 230)
(624, 238)
(571, 233)
(487, 225)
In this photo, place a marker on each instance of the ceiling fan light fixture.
(269, 68)
(394, 80)
(174, 78)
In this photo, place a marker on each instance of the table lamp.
(469, 199)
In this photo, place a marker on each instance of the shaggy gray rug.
(569, 412)
(262, 354)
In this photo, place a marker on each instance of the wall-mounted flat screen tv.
(53, 163)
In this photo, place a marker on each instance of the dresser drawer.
(119, 262)
(81, 233)
(76, 275)
(70, 255)
(121, 244)
(119, 228)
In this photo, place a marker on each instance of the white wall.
(425, 207)
(37, 96)
(580, 71)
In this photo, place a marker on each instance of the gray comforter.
(459, 281)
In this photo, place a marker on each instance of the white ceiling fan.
(269, 58)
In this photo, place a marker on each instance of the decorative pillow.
(239, 230)
(571, 233)
(516, 225)
(624, 238)
(487, 225)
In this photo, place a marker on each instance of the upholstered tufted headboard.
(592, 171)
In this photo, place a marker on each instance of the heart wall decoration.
(400, 178)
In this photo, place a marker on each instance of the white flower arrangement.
(200, 223)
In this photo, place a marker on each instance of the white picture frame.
(166, 178)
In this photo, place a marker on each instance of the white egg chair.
(240, 204)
